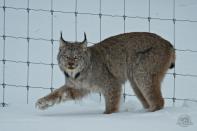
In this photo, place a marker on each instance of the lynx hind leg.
(60, 95)
(139, 94)
(112, 99)
(149, 85)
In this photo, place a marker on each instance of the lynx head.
(72, 56)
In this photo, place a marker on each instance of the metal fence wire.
(5, 37)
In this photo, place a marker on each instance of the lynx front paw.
(43, 103)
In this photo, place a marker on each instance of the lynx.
(139, 57)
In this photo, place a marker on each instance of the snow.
(87, 115)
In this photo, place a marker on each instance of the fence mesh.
(51, 64)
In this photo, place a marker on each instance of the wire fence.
(4, 36)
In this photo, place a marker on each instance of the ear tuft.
(85, 39)
(84, 42)
(62, 42)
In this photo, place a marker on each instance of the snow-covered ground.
(87, 116)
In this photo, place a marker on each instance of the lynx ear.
(62, 41)
(84, 42)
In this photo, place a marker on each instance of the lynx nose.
(70, 64)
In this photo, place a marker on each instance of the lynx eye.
(66, 57)
(75, 57)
